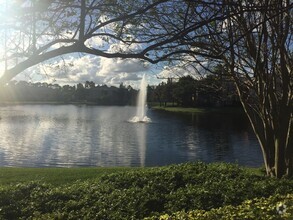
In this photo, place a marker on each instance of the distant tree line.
(88, 92)
(210, 91)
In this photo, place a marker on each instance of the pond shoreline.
(54, 103)
(195, 110)
(174, 109)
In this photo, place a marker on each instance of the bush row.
(275, 207)
(140, 193)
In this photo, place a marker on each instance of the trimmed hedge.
(141, 193)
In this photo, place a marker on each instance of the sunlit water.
(69, 136)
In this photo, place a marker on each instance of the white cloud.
(72, 69)
(95, 42)
(122, 78)
(114, 66)
(117, 70)
(176, 71)
(183, 69)
(124, 48)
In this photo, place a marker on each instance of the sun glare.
(9, 38)
(2, 68)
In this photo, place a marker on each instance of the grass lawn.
(180, 109)
(54, 176)
(226, 110)
(61, 176)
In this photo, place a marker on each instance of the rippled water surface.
(69, 135)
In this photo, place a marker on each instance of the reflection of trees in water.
(222, 144)
(140, 135)
(215, 132)
(220, 121)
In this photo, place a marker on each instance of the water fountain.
(141, 103)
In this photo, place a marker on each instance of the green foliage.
(185, 91)
(137, 194)
(274, 207)
(24, 92)
(209, 91)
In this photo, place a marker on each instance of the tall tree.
(259, 56)
(254, 39)
(185, 91)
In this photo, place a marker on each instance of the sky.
(78, 68)
(75, 68)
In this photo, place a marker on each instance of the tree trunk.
(266, 91)
(275, 139)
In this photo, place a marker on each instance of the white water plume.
(141, 107)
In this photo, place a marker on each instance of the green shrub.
(274, 207)
(141, 193)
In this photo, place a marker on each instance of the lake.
(74, 136)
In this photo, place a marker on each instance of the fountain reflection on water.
(141, 104)
(141, 109)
